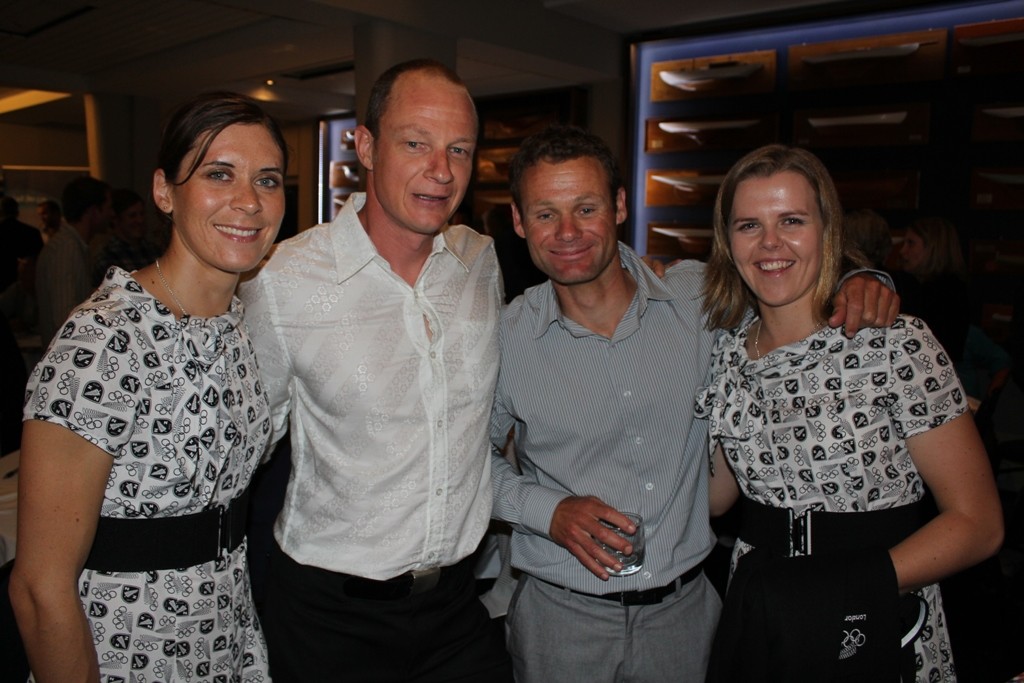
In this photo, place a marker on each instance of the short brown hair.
(867, 231)
(555, 144)
(942, 248)
(726, 297)
(380, 93)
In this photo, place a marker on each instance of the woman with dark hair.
(829, 442)
(145, 421)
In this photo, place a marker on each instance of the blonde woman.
(829, 442)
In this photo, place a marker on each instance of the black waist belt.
(779, 530)
(145, 544)
(651, 596)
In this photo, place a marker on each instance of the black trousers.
(316, 632)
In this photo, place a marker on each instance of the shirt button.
(647, 575)
(439, 492)
(440, 423)
(649, 486)
(627, 393)
(433, 354)
(639, 440)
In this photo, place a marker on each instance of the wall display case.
(869, 60)
(916, 112)
(997, 256)
(877, 189)
(669, 187)
(673, 241)
(998, 123)
(339, 166)
(504, 123)
(997, 188)
(682, 134)
(990, 47)
(879, 124)
(720, 75)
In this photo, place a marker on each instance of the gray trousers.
(556, 635)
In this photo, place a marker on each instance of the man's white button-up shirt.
(389, 388)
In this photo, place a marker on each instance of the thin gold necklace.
(163, 280)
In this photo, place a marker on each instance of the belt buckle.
(634, 598)
(424, 580)
(223, 529)
(226, 539)
(800, 534)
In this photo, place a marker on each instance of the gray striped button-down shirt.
(611, 418)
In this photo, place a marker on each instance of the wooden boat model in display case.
(899, 124)
(872, 60)
(682, 187)
(736, 74)
(997, 188)
(735, 132)
(992, 47)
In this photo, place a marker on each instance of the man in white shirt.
(378, 334)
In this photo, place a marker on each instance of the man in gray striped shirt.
(599, 369)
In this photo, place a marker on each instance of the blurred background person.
(50, 218)
(131, 548)
(869, 232)
(20, 241)
(985, 365)
(64, 270)
(934, 284)
(129, 246)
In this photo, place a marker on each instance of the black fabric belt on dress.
(651, 596)
(147, 544)
(402, 586)
(778, 530)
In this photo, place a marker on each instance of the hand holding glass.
(630, 563)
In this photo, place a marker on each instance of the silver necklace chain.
(163, 280)
(757, 335)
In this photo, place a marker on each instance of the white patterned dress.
(179, 406)
(822, 424)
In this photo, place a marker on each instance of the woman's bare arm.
(61, 481)
(969, 526)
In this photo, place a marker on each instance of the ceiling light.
(23, 99)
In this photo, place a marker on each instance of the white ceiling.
(169, 49)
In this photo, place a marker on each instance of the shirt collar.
(648, 287)
(353, 249)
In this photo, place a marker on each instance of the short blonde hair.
(727, 298)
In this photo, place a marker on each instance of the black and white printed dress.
(179, 406)
(822, 424)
